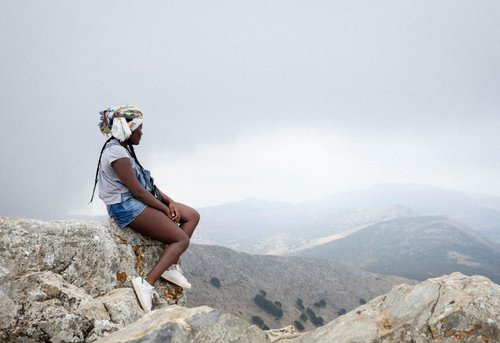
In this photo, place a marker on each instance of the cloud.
(297, 164)
(250, 99)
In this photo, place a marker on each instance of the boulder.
(69, 281)
(454, 308)
(180, 324)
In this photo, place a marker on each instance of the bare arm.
(175, 214)
(123, 169)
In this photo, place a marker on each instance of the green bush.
(298, 325)
(215, 282)
(268, 306)
(341, 312)
(321, 303)
(259, 322)
(303, 317)
(318, 321)
(299, 303)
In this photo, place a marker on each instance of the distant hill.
(263, 227)
(228, 280)
(474, 210)
(416, 248)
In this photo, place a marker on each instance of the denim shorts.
(126, 211)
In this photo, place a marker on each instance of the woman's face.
(135, 137)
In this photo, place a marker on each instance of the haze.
(277, 100)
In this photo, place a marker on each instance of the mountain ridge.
(416, 248)
(284, 279)
(276, 227)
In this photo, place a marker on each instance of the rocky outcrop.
(454, 308)
(70, 282)
(180, 324)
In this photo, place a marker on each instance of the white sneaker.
(174, 275)
(144, 292)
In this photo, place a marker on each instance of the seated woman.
(127, 190)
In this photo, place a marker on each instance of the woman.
(127, 190)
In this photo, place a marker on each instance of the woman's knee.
(195, 215)
(188, 213)
(184, 242)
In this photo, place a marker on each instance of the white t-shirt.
(110, 186)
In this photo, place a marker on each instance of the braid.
(132, 152)
(98, 165)
(154, 190)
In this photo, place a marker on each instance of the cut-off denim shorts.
(126, 211)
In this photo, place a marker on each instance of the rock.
(180, 324)
(454, 308)
(69, 281)
(282, 335)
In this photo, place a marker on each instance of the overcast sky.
(277, 100)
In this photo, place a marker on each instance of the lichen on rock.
(69, 281)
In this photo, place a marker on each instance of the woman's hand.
(174, 212)
(167, 212)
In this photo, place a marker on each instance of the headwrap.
(119, 122)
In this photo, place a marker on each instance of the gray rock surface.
(178, 324)
(454, 308)
(69, 281)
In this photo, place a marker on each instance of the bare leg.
(189, 218)
(158, 226)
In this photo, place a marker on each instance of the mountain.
(480, 212)
(262, 227)
(265, 227)
(416, 248)
(449, 309)
(69, 281)
(228, 280)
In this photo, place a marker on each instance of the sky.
(274, 100)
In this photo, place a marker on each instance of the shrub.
(321, 303)
(300, 303)
(341, 312)
(277, 303)
(259, 322)
(263, 293)
(303, 317)
(318, 321)
(268, 306)
(298, 325)
(362, 301)
(215, 282)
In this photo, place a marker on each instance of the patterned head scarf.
(119, 122)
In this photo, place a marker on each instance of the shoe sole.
(175, 283)
(137, 290)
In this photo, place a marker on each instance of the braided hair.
(134, 156)
(98, 166)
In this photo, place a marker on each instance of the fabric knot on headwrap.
(119, 122)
